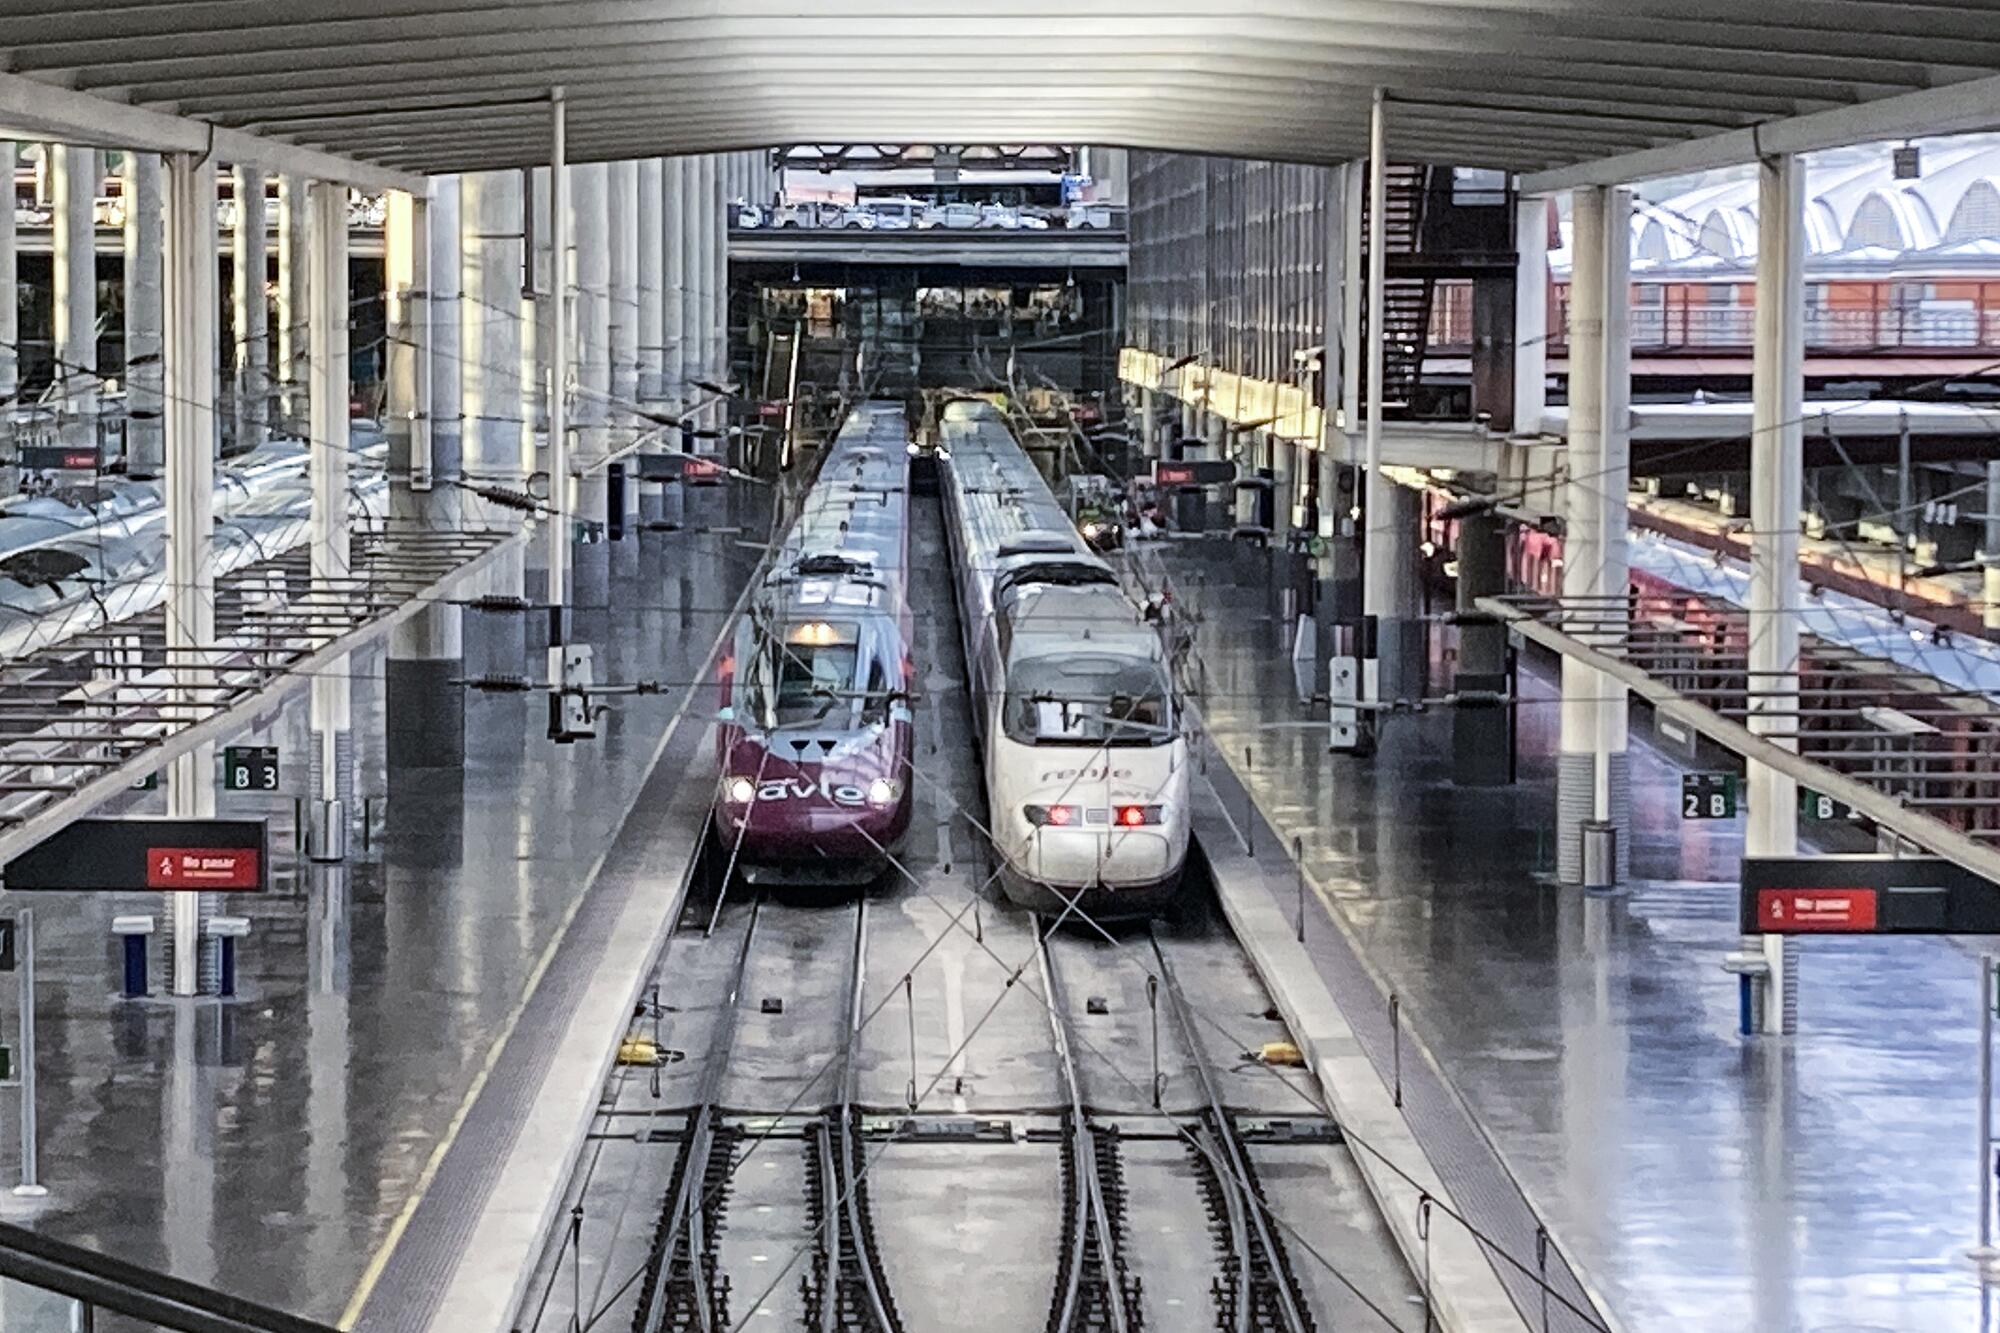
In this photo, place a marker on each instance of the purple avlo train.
(815, 736)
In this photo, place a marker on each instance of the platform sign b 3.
(250, 768)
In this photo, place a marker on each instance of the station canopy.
(420, 86)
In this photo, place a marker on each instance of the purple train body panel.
(815, 740)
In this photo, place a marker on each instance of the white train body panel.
(1086, 766)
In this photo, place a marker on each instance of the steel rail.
(846, 1145)
(1089, 1216)
(1233, 1170)
(685, 1208)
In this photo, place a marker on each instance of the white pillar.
(498, 451)
(1591, 764)
(562, 499)
(188, 351)
(1353, 207)
(652, 262)
(10, 311)
(1378, 574)
(251, 324)
(621, 216)
(592, 258)
(1777, 406)
(73, 179)
(293, 262)
(1531, 314)
(674, 308)
(1989, 554)
(450, 321)
(145, 237)
(328, 389)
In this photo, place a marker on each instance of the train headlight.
(1051, 816)
(740, 790)
(1092, 529)
(881, 792)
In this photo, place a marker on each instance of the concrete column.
(1400, 641)
(188, 351)
(293, 263)
(498, 392)
(1379, 530)
(328, 391)
(424, 710)
(1481, 745)
(251, 324)
(450, 323)
(145, 238)
(1591, 780)
(10, 310)
(73, 178)
(719, 360)
(674, 280)
(1989, 555)
(1531, 314)
(1777, 406)
(498, 450)
(621, 217)
(652, 262)
(592, 241)
(708, 202)
(1353, 200)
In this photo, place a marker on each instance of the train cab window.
(875, 702)
(1116, 701)
(807, 675)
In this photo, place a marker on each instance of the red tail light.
(1136, 816)
(1058, 816)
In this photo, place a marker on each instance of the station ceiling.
(447, 85)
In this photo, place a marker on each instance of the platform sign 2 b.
(250, 768)
(139, 853)
(1708, 795)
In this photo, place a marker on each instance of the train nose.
(1079, 843)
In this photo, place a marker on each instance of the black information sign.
(58, 457)
(138, 853)
(1195, 472)
(250, 768)
(1708, 796)
(1865, 895)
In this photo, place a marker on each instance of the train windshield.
(806, 676)
(1109, 700)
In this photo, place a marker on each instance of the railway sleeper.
(1266, 1270)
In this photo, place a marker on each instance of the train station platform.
(1693, 1177)
(279, 1145)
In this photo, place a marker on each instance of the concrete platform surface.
(273, 1146)
(1823, 1183)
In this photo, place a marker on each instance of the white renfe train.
(1086, 764)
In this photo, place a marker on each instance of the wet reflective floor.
(268, 1146)
(1823, 1183)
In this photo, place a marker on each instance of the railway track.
(846, 1289)
(1258, 1289)
(1095, 1293)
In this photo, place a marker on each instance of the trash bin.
(1600, 854)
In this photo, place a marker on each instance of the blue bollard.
(226, 931)
(136, 932)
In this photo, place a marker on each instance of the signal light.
(1056, 816)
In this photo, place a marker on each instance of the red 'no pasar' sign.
(201, 867)
(1784, 910)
